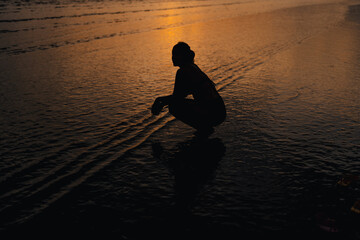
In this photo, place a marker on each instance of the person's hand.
(157, 106)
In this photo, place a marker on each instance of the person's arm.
(180, 87)
(160, 103)
(178, 93)
(165, 100)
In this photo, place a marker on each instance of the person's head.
(182, 54)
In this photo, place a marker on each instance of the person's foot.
(204, 132)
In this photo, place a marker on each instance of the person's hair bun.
(191, 55)
(183, 49)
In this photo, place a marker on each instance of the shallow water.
(78, 143)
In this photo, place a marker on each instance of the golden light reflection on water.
(322, 72)
(144, 59)
(81, 95)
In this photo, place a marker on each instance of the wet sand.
(82, 155)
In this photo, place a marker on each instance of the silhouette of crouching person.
(207, 109)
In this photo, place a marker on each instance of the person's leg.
(186, 111)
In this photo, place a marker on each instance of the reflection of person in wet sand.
(193, 164)
(207, 109)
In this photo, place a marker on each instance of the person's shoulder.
(188, 72)
(180, 72)
(184, 72)
(190, 69)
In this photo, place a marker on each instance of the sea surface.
(80, 152)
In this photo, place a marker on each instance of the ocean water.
(80, 151)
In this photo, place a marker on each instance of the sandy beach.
(82, 155)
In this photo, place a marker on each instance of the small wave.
(8, 31)
(17, 51)
(57, 26)
(294, 97)
(64, 177)
(238, 68)
(113, 13)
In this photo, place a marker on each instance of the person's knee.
(172, 109)
(176, 108)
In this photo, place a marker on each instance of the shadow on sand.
(193, 165)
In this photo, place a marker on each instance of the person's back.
(204, 89)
